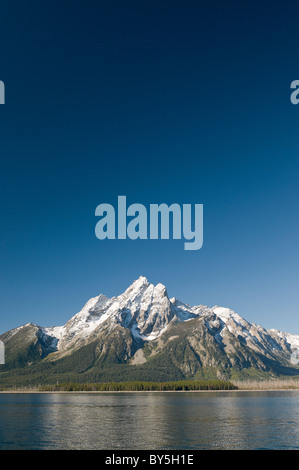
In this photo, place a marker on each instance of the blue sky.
(180, 102)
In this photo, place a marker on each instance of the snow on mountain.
(183, 311)
(291, 340)
(147, 312)
(143, 307)
(82, 324)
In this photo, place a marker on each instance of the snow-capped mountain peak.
(147, 312)
(166, 337)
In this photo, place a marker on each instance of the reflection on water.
(149, 420)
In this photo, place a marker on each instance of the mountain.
(144, 335)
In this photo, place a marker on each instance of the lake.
(150, 420)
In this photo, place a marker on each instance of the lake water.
(149, 420)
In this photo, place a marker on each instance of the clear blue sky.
(185, 102)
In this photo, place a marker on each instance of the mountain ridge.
(143, 333)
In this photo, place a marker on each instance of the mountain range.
(144, 335)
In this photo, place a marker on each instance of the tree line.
(138, 386)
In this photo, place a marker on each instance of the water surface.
(149, 420)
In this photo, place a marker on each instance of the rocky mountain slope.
(144, 335)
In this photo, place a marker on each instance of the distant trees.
(139, 386)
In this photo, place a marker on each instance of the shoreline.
(144, 391)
